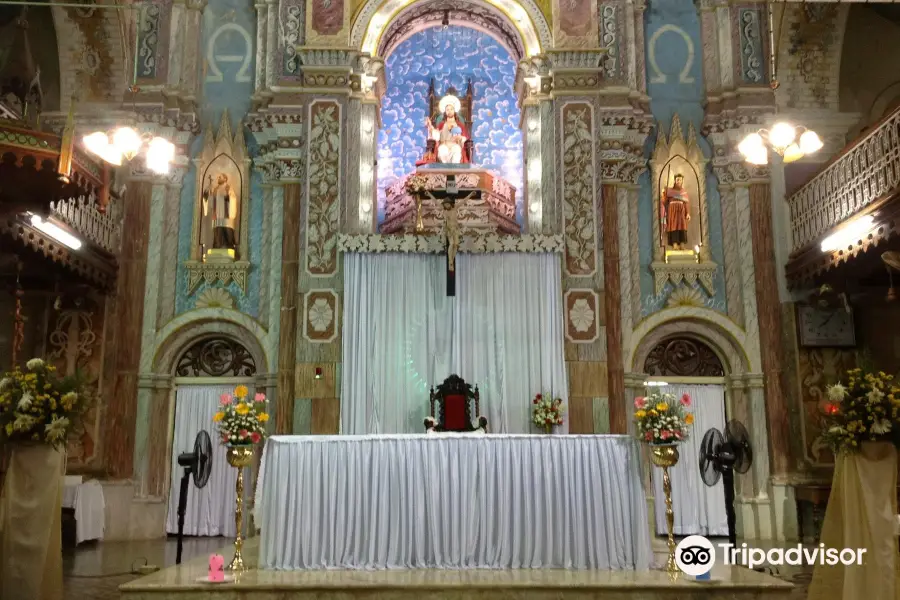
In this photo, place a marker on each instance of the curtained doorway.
(210, 511)
(207, 369)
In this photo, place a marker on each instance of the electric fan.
(199, 465)
(722, 455)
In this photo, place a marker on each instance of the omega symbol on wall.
(684, 75)
(230, 53)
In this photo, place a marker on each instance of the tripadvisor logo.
(696, 556)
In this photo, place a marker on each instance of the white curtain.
(402, 335)
(210, 511)
(699, 509)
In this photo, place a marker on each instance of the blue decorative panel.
(675, 85)
(229, 32)
(752, 42)
(452, 57)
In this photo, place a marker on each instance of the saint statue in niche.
(450, 133)
(676, 213)
(220, 202)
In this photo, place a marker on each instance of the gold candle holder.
(666, 456)
(239, 457)
(420, 224)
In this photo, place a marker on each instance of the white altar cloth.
(426, 501)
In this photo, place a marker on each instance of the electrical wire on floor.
(135, 570)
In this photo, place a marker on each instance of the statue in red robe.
(450, 134)
(676, 212)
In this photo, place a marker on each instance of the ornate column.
(533, 86)
(128, 322)
(769, 307)
(287, 341)
(615, 366)
(622, 164)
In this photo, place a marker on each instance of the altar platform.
(180, 583)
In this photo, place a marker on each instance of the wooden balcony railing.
(82, 214)
(863, 173)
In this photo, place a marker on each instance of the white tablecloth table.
(90, 509)
(445, 501)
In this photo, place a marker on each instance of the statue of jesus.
(676, 211)
(450, 133)
(451, 233)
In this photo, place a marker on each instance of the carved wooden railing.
(864, 172)
(83, 215)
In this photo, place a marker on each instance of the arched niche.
(376, 16)
(683, 357)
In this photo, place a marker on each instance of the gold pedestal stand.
(666, 456)
(239, 457)
(420, 225)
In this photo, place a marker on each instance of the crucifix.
(451, 242)
(451, 232)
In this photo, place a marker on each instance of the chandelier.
(126, 143)
(791, 143)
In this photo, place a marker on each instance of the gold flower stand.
(666, 456)
(239, 457)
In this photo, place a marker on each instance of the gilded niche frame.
(671, 156)
(222, 149)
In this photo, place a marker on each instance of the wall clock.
(825, 328)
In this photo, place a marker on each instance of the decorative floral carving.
(685, 296)
(609, 38)
(578, 189)
(581, 316)
(682, 357)
(320, 315)
(320, 324)
(215, 297)
(812, 37)
(483, 243)
(213, 272)
(216, 357)
(323, 185)
(751, 45)
(293, 21)
(148, 40)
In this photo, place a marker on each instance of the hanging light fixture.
(125, 142)
(791, 142)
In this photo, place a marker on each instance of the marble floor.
(95, 572)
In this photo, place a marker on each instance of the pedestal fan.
(722, 455)
(199, 465)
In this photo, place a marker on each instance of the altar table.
(447, 501)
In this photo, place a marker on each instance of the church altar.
(484, 201)
(452, 501)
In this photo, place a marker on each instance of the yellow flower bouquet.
(864, 410)
(662, 418)
(36, 405)
(242, 420)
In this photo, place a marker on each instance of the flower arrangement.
(662, 419)
(415, 185)
(242, 420)
(36, 405)
(547, 412)
(865, 410)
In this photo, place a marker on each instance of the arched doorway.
(695, 343)
(681, 366)
(205, 371)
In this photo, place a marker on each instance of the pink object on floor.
(217, 568)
